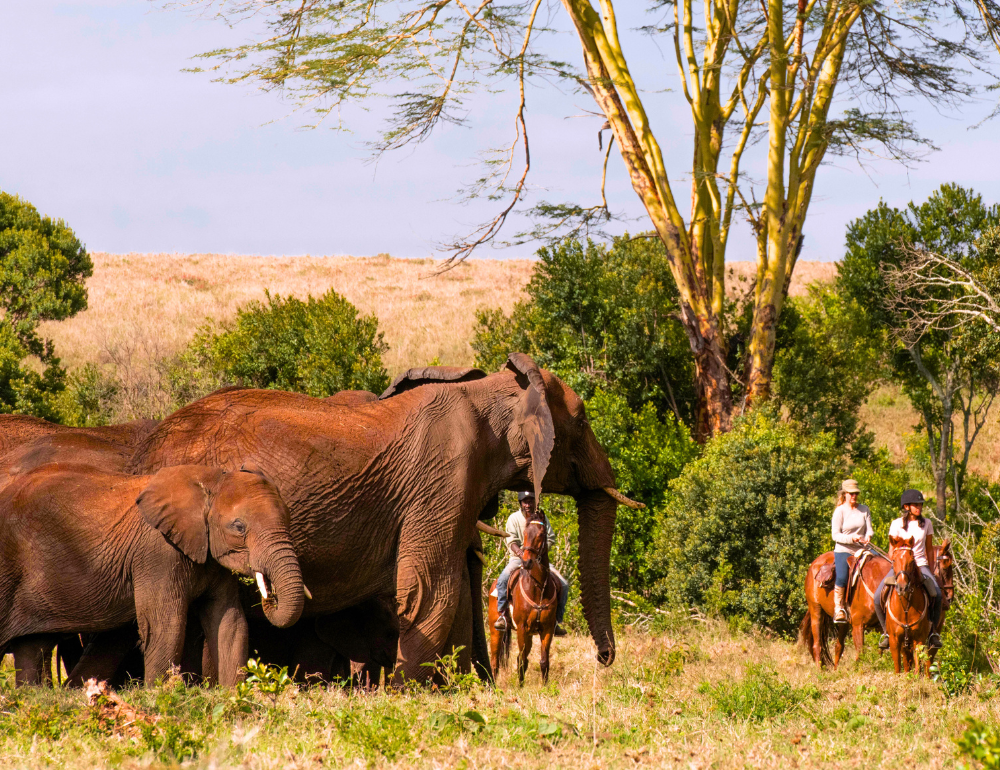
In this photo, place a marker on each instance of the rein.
(906, 600)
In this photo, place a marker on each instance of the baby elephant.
(83, 550)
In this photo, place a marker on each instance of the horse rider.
(851, 530)
(913, 524)
(516, 523)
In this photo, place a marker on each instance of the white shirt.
(919, 535)
(515, 534)
(848, 522)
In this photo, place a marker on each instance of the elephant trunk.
(279, 567)
(596, 511)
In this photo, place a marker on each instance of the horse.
(533, 603)
(944, 572)
(906, 619)
(814, 631)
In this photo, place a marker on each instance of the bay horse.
(814, 631)
(533, 602)
(907, 621)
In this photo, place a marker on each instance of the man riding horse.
(516, 523)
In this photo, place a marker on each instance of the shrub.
(760, 695)
(981, 743)
(750, 514)
(646, 452)
(319, 347)
(601, 317)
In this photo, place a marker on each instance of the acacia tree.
(755, 73)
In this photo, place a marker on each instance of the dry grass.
(157, 301)
(652, 708)
(153, 303)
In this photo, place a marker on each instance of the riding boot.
(501, 622)
(934, 641)
(839, 611)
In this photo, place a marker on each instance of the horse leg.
(894, 649)
(816, 618)
(524, 643)
(858, 630)
(545, 640)
(838, 647)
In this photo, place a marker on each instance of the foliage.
(43, 269)
(601, 317)
(760, 695)
(268, 680)
(948, 371)
(646, 453)
(319, 347)
(980, 742)
(754, 508)
(828, 360)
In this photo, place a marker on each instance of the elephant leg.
(460, 640)
(162, 629)
(103, 655)
(33, 659)
(226, 633)
(480, 646)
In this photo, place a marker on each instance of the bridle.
(536, 556)
(906, 594)
(939, 574)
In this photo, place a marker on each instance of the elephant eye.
(238, 526)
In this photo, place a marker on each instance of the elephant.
(16, 430)
(384, 496)
(85, 550)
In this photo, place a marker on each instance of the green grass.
(697, 695)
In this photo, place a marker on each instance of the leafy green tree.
(646, 452)
(742, 523)
(600, 316)
(950, 369)
(43, 269)
(827, 362)
(319, 347)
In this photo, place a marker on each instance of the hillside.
(153, 303)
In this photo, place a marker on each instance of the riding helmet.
(910, 497)
(522, 496)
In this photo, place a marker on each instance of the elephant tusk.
(482, 526)
(307, 592)
(482, 557)
(620, 498)
(260, 584)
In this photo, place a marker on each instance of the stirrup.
(883, 643)
(841, 618)
(559, 630)
(934, 642)
(501, 623)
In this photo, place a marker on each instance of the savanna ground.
(691, 693)
(694, 695)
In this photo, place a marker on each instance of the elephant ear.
(536, 417)
(428, 375)
(176, 502)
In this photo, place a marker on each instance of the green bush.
(43, 269)
(646, 452)
(601, 317)
(743, 522)
(981, 743)
(319, 347)
(760, 695)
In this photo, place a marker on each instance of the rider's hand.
(856, 539)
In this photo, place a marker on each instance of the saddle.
(826, 575)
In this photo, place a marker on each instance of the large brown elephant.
(88, 551)
(384, 496)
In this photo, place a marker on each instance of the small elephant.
(86, 550)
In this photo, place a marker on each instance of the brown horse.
(814, 630)
(534, 600)
(944, 571)
(907, 622)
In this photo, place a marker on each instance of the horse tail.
(503, 650)
(806, 631)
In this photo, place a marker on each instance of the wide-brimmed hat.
(850, 485)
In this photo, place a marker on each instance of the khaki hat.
(850, 485)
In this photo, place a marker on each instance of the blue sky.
(100, 126)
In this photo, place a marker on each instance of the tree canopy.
(758, 79)
(43, 269)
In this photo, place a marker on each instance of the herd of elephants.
(330, 535)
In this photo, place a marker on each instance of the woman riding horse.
(851, 530)
(913, 524)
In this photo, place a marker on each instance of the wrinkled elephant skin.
(89, 551)
(384, 496)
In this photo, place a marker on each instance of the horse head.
(904, 564)
(944, 570)
(535, 545)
